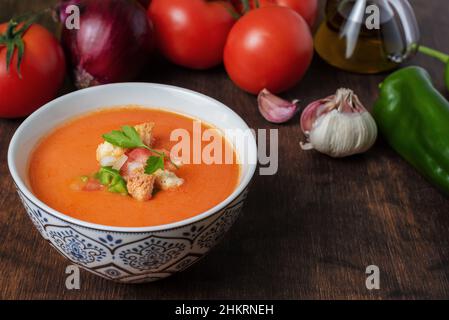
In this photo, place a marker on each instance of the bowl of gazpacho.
(133, 181)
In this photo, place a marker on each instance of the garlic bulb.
(338, 125)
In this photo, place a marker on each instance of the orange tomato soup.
(69, 152)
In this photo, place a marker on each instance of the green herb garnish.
(125, 138)
(154, 164)
(112, 179)
(128, 137)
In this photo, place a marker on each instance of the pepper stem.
(434, 53)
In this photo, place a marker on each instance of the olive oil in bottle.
(346, 40)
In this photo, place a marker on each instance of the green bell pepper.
(414, 118)
(112, 179)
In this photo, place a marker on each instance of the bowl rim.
(20, 184)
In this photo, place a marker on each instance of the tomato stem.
(234, 14)
(12, 39)
(10, 29)
(246, 6)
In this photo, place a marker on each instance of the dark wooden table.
(309, 232)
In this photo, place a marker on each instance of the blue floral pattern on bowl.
(134, 257)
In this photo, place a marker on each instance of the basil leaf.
(153, 164)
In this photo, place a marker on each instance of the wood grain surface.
(307, 232)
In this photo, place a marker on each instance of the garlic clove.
(275, 109)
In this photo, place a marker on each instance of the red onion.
(113, 43)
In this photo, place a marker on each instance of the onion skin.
(113, 44)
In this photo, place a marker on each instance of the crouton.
(145, 131)
(166, 180)
(140, 186)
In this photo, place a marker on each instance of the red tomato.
(92, 185)
(308, 9)
(140, 155)
(42, 70)
(192, 33)
(270, 47)
(137, 158)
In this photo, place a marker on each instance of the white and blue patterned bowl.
(130, 255)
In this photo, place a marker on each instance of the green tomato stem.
(10, 29)
(246, 6)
